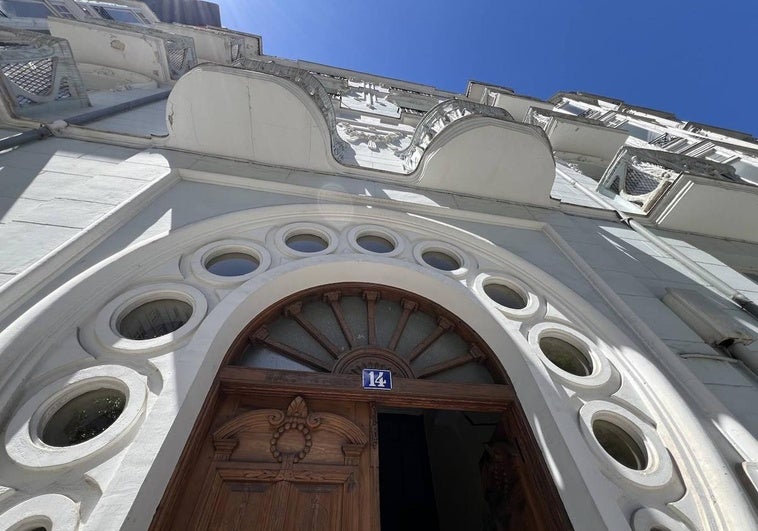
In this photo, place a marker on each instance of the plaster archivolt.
(50, 511)
(558, 405)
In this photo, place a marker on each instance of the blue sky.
(694, 58)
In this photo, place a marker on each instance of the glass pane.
(307, 243)
(122, 15)
(354, 309)
(440, 260)
(232, 264)
(322, 317)
(84, 417)
(261, 357)
(447, 347)
(387, 315)
(26, 9)
(566, 356)
(504, 296)
(619, 445)
(419, 326)
(375, 244)
(154, 319)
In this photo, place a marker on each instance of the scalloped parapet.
(38, 72)
(311, 86)
(282, 115)
(437, 119)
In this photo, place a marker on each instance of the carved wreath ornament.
(298, 419)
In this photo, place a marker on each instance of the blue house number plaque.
(377, 379)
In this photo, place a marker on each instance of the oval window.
(307, 243)
(232, 264)
(505, 296)
(566, 356)
(375, 244)
(440, 260)
(83, 417)
(154, 319)
(619, 445)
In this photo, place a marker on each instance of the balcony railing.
(39, 71)
(642, 176)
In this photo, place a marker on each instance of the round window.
(232, 264)
(154, 319)
(566, 356)
(83, 417)
(505, 296)
(440, 260)
(619, 444)
(375, 244)
(307, 243)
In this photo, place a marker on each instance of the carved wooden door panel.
(273, 464)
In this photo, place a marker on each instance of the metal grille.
(33, 77)
(639, 183)
(236, 51)
(180, 58)
(64, 91)
(38, 70)
(175, 60)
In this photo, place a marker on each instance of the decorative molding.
(297, 418)
(440, 117)
(311, 86)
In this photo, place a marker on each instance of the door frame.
(529, 464)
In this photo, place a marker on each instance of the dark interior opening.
(429, 470)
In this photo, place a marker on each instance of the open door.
(298, 449)
(274, 464)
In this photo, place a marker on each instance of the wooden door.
(282, 464)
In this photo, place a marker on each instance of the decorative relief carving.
(291, 433)
(642, 176)
(297, 419)
(374, 138)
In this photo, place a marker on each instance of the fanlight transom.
(344, 328)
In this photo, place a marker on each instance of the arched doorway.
(291, 435)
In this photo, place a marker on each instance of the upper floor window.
(63, 11)
(22, 8)
(572, 108)
(637, 131)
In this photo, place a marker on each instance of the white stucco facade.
(126, 208)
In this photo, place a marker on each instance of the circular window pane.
(566, 356)
(307, 243)
(232, 264)
(505, 296)
(619, 445)
(375, 244)
(440, 260)
(84, 417)
(154, 319)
